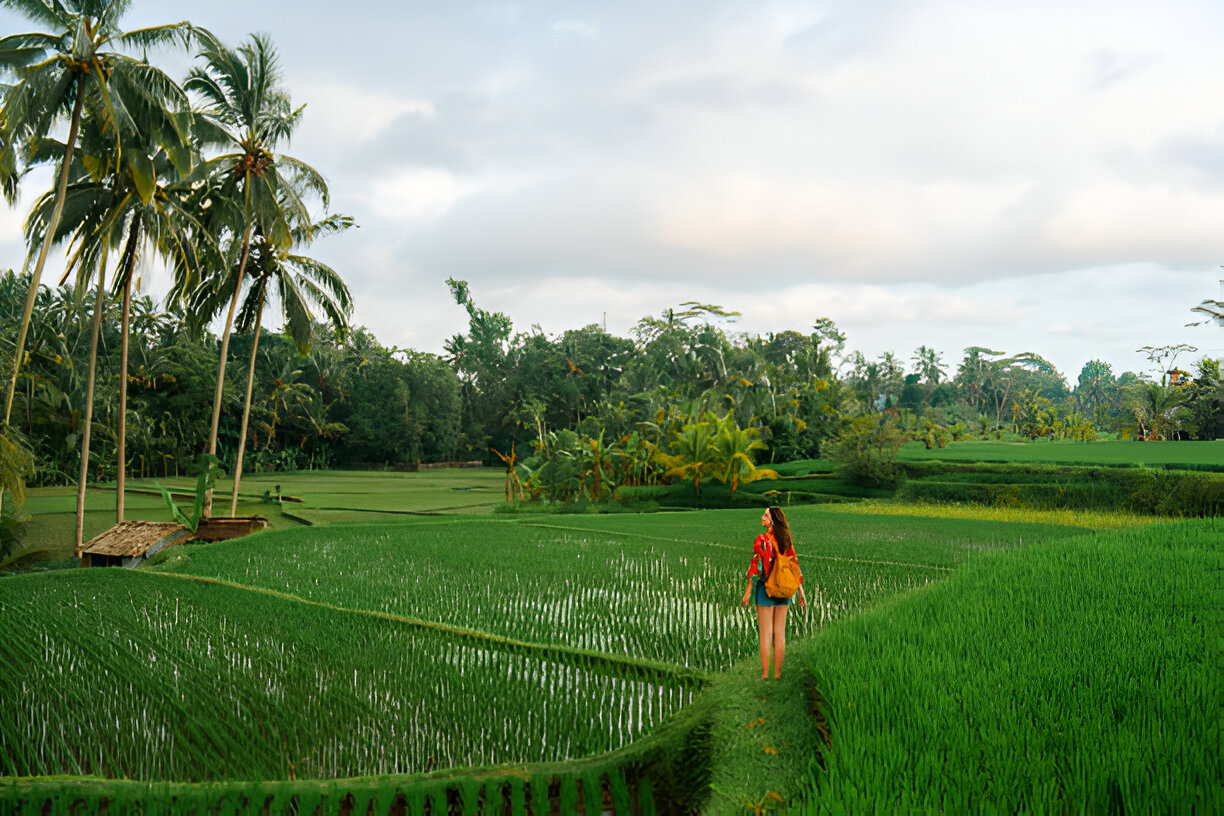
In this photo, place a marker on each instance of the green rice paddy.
(1197, 454)
(951, 658)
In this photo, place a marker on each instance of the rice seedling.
(140, 676)
(1078, 675)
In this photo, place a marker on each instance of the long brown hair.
(781, 530)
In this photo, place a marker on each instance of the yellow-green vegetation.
(1091, 519)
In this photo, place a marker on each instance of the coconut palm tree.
(89, 258)
(247, 114)
(298, 282)
(691, 454)
(115, 196)
(928, 365)
(9, 175)
(57, 72)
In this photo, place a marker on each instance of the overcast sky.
(1026, 176)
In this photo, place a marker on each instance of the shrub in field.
(1078, 675)
(866, 449)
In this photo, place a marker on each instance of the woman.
(771, 612)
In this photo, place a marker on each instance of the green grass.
(467, 490)
(1209, 455)
(327, 497)
(1080, 674)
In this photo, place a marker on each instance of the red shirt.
(763, 551)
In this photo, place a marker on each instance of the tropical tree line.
(579, 414)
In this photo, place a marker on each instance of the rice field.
(402, 648)
(1082, 675)
(133, 675)
(1204, 454)
(664, 588)
(444, 646)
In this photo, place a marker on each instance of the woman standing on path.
(771, 612)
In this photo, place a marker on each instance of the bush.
(866, 450)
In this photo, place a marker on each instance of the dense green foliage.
(387, 407)
(1139, 490)
(1080, 674)
(354, 402)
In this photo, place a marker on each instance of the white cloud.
(1024, 175)
(416, 193)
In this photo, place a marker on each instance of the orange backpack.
(783, 579)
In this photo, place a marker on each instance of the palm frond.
(52, 16)
(156, 36)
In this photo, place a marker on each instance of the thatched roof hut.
(129, 543)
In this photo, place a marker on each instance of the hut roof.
(134, 538)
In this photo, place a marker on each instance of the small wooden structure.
(222, 529)
(131, 543)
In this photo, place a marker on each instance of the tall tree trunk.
(61, 192)
(99, 304)
(225, 338)
(127, 271)
(246, 415)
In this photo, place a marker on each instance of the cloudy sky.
(1026, 176)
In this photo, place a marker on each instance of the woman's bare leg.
(765, 619)
(779, 638)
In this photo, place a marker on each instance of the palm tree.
(692, 456)
(1155, 405)
(299, 282)
(151, 203)
(116, 194)
(9, 175)
(928, 365)
(733, 447)
(247, 113)
(57, 73)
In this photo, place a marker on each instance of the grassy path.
(764, 736)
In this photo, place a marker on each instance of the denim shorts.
(761, 597)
